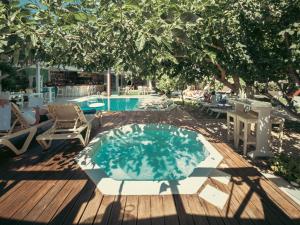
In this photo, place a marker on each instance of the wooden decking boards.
(50, 188)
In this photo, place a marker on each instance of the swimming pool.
(111, 104)
(149, 159)
(149, 152)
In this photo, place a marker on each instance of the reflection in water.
(149, 152)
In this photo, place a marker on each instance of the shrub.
(287, 167)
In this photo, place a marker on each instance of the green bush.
(286, 166)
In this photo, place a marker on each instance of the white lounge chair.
(19, 127)
(70, 123)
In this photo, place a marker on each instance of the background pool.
(149, 152)
(113, 104)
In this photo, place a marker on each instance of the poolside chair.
(19, 127)
(70, 123)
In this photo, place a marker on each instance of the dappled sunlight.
(131, 152)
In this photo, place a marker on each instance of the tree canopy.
(256, 40)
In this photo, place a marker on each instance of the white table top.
(96, 105)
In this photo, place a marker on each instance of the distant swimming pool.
(112, 104)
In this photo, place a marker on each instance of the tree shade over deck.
(49, 188)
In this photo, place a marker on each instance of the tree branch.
(4, 76)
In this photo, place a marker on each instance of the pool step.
(214, 196)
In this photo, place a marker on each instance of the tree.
(249, 40)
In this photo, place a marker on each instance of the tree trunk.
(292, 75)
(249, 91)
(228, 84)
(237, 84)
(291, 71)
(222, 78)
(182, 98)
(288, 109)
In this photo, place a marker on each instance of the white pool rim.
(109, 186)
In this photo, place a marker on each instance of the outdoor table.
(247, 119)
(96, 106)
(263, 109)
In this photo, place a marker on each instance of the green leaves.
(140, 42)
(81, 17)
(249, 38)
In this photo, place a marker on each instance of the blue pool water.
(113, 104)
(149, 152)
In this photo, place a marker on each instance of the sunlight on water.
(114, 104)
(149, 152)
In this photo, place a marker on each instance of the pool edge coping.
(189, 185)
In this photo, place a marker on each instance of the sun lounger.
(18, 128)
(70, 123)
(165, 105)
(220, 111)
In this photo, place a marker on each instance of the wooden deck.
(49, 188)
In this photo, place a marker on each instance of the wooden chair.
(70, 123)
(18, 128)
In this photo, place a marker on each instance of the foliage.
(166, 85)
(287, 167)
(17, 33)
(7, 69)
(252, 40)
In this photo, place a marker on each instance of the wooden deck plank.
(196, 210)
(259, 194)
(117, 212)
(157, 210)
(17, 177)
(183, 210)
(46, 194)
(213, 215)
(31, 202)
(229, 212)
(144, 210)
(231, 209)
(78, 207)
(131, 210)
(68, 203)
(47, 199)
(278, 197)
(104, 210)
(55, 204)
(91, 209)
(15, 201)
(170, 213)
